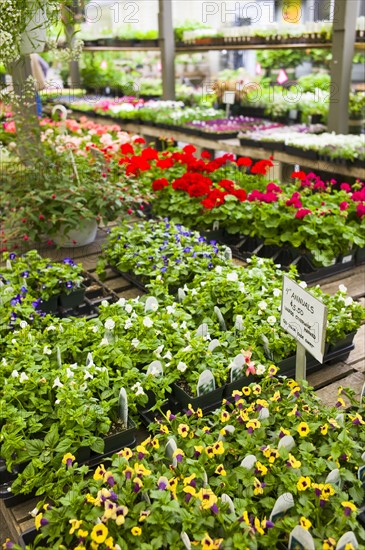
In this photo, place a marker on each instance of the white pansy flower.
(183, 325)
(128, 324)
(128, 308)
(57, 383)
(188, 348)
(135, 386)
(154, 307)
(139, 391)
(233, 276)
(277, 292)
(303, 284)
(154, 371)
(121, 302)
(158, 350)
(109, 324)
(186, 288)
(95, 328)
(241, 286)
(57, 402)
(15, 374)
(104, 342)
(203, 283)
(147, 322)
(175, 325)
(88, 375)
(182, 366)
(105, 303)
(133, 315)
(74, 365)
(187, 335)
(34, 512)
(50, 328)
(342, 288)
(170, 309)
(13, 341)
(47, 350)
(69, 373)
(271, 320)
(260, 369)
(4, 362)
(194, 292)
(348, 301)
(168, 355)
(136, 299)
(262, 305)
(219, 269)
(23, 324)
(135, 342)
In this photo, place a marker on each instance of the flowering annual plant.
(162, 252)
(213, 482)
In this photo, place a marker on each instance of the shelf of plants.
(154, 346)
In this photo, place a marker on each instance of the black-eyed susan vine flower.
(303, 429)
(348, 507)
(303, 483)
(305, 523)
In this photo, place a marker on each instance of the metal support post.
(343, 42)
(167, 47)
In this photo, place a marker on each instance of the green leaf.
(98, 445)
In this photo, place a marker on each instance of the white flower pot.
(74, 238)
(34, 38)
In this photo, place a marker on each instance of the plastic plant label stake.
(214, 344)
(264, 413)
(249, 462)
(155, 369)
(228, 430)
(170, 449)
(362, 396)
(89, 360)
(228, 254)
(347, 538)
(59, 359)
(237, 368)
(239, 322)
(300, 538)
(206, 383)
(334, 477)
(151, 304)
(282, 505)
(8, 265)
(205, 478)
(363, 457)
(181, 295)
(221, 321)
(361, 474)
(228, 99)
(202, 330)
(185, 540)
(123, 406)
(216, 226)
(288, 442)
(227, 499)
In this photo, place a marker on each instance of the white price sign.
(228, 98)
(304, 317)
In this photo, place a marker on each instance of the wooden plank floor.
(351, 372)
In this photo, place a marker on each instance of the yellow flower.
(291, 383)
(75, 524)
(357, 419)
(94, 546)
(324, 429)
(253, 425)
(258, 527)
(272, 370)
(329, 544)
(349, 507)
(136, 531)
(90, 499)
(183, 430)
(276, 396)
(144, 515)
(209, 451)
(340, 402)
(218, 448)
(236, 393)
(82, 533)
(198, 449)
(303, 429)
(258, 489)
(68, 458)
(261, 469)
(99, 533)
(327, 491)
(246, 390)
(305, 523)
(199, 413)
(173, 482)
(164, 429)
(126, 453)
(256, 389)
(271, 454)
(283, 431)
(109, 543)
(141, 450)
(262, 402)
(188, 480)
(140, 469)
(294, 463)
(99, 472)
(303, 483)
(220, 470)
(225, 416)
(206, 497)
(121, 512)
(78, 547)
(190, 490)
(294, 411)
(210, 544)
(38, 520)
(110, 510)
(244, 415)
(206, 429)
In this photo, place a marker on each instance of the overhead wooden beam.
(343, 44)
(167, 46)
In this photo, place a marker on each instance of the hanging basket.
(33, 39)
(74, 238)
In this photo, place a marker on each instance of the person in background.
(39, 72)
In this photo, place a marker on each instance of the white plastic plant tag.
(334, 477)
(288, 442)
(202, 330)
(59, 358)
(227, 430)
(185, 540)
(181, 295)
(283, 503)
(362, 396)
(89, 360)
(301, 538)
(249, 462)
(155, 369)
(348, 538)
(8, 265)
(239, 322)
(214, 344)
(228, 98)
(123, 406)
(293, 113)
(206, 383)
(227, 499)
(151, 304)
(237, 368)
(170, 449)
(265, 343)
(216, 226)
(363, 456)
(361, 474)
(205, 478)
(228, 253)
(340, 418)
(221, 321)
(264, 413)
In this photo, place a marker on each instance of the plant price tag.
(304, 317)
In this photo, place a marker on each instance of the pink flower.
(344, 205)
(345, 187)
(302, 213)
(360, 210)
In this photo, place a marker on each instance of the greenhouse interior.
(182, 274)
